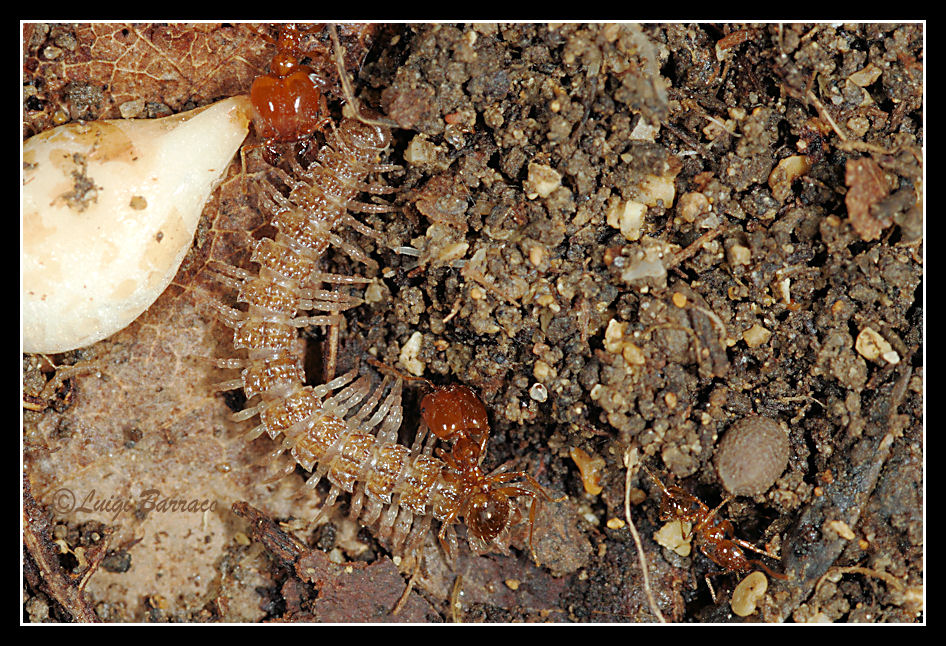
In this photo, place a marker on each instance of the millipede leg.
(246, 413)
(303, 321)
(361, 227)
(222, 269)
(232, 384)
(254, 433)
(351, 250)
(231, 317)
(230, 364)
(331, 353)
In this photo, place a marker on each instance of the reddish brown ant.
(288, 101)
(455, 414)
(714, 535)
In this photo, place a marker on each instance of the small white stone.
(739, 255)
(644, 131)
(627, 217)
(538, 392)
(871, 345)
(410, 354)
(542, 180)
(654, 189)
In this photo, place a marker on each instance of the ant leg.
(532, 509)
(750, 546)
(513, 475)
(771, 573)
(710, 585)
(448, 458)
(243, 154)
(449, 548)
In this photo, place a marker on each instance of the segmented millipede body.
(345, 430)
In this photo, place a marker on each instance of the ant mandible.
(714, 535)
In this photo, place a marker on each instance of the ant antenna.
(663, 487)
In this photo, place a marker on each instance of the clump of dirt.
(622, 237)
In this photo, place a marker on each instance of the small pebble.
(591, 467)
(538, 392)
(756, 336)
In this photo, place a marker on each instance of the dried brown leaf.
(867, 185)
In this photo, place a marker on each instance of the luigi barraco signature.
(65, 500)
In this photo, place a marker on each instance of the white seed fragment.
(756, 336)
(109, 210)
(842, 529)
(675, 535)
(786, 172)
(866, 76)
(746, 596)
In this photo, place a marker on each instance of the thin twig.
(637, 538)
(347, 86)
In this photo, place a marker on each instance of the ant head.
(455, 411)
(678, 505)
(487, 514)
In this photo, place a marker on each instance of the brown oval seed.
(751, 456)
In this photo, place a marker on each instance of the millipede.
(345, 430)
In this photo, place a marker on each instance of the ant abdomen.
(287, 109)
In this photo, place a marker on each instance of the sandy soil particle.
(601, 211)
